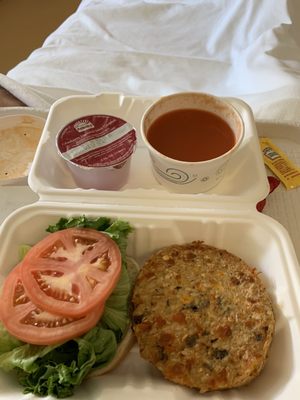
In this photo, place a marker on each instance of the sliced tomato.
(31, 324)
(70, 272)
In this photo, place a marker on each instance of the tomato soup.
(191, 135)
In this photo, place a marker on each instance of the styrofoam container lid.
(244, 184)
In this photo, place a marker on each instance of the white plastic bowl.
(19, 138)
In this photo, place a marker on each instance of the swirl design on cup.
(175, 175)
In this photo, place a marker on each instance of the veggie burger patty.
(202, 316)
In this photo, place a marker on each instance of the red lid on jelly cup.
(97, 141)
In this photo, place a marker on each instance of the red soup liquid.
(191, 135)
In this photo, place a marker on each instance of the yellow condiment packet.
(279, 164)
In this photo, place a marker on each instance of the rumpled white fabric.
(241, 48)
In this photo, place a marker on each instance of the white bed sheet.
(247, 49)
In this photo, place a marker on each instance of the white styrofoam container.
(258, 239)
(225, 218)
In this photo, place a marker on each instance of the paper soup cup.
(183, 176)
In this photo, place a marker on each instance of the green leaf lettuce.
(55, 370)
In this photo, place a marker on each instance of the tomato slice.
(31, 324)
(72, 271)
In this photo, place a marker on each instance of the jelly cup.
(97, 150)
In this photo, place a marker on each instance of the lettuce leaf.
(23, 250)
(56, 370)
(100, 224)
(7, 342)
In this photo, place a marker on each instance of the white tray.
(245, 181)
(226, 218)
(282, 204)
(258, 239)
